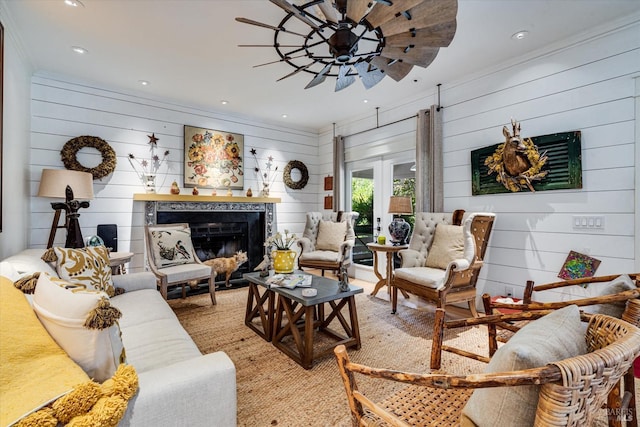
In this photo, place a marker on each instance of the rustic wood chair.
(445, 284)
(572, 390)
(628, 309)
(176, 273)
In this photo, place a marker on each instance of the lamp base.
(399, 230)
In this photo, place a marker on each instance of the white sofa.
(178, 385)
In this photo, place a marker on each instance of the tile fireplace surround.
(240, 222)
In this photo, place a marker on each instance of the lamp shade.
(53, 183)
(400, 205)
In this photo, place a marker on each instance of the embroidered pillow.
(171, 246)
(83, 323)
(88, 267)
(554, 337)
(448, 245)
(331, 235)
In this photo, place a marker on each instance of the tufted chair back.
(423, 230)
(313, 223)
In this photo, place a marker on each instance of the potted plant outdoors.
(282, 255)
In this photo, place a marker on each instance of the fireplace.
(220, 229)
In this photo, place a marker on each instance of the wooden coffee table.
(293, 321)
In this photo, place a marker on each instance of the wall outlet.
(509, 291)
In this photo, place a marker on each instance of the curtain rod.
(378, 126)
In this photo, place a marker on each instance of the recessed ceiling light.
(520, 35)
(74, 3)
(224, 102)
(365, 100)
(143, 82)
(284, 116)
(79, 50)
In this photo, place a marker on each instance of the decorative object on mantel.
(213, 158)
(517, 163)
(294, 165)
(249, 192)
(174, 188)
(195, 191)
(229, 192)
(73, 146)
(374, 38)
(563, 171)
(328, 183)
(266, 176)
(577, 266)
(147, 170)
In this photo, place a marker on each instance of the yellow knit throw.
(90, 404)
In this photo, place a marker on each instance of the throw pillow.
(615, 309)
(88, 267)
(331, 235)
(448, 245)
(82, 322)
(171, 246)
(554, 337)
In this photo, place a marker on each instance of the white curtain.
(429, 185)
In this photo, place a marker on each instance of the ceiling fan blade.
(288, 7)
(421, 56)
(271, 27)
(397, 70)
(432, 36)
(297, 70)
(382, 13)
(286, 58)
(268, 45)
(328, 11)
(343, 79)
(369, 76)
(320, 77)
(427, 13)
(357, 9)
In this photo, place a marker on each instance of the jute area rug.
(274, 390)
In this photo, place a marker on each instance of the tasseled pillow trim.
(27, 284)
(103, 316)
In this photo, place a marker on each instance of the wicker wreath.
(71, 148)
(286, 175)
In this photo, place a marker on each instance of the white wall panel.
(63, 109)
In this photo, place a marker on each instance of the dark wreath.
(70, 151)
(286, 175)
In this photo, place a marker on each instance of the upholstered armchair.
(327, 240)
(173, 260)
(443, 260)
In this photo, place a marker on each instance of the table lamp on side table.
(399, 228)
(73, 186)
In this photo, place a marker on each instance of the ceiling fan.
(365, 38)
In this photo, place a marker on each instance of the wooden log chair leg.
(472, 307)
(438, 336)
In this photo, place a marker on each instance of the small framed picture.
(328, 202)
(578, 265)
(328, 183)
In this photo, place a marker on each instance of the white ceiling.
(187, 50)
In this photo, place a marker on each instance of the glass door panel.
(362, 199)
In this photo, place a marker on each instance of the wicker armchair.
(572, 390)
(453, 284)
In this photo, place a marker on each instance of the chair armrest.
(305, 244)
(346, 246)
(410, 258)
(173, 395)
(135, 281)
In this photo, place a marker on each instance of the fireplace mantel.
(154, 197)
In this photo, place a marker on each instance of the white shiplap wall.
(63, 108)
(586, 85)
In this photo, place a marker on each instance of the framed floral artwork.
(213, 158)
(578, 265)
